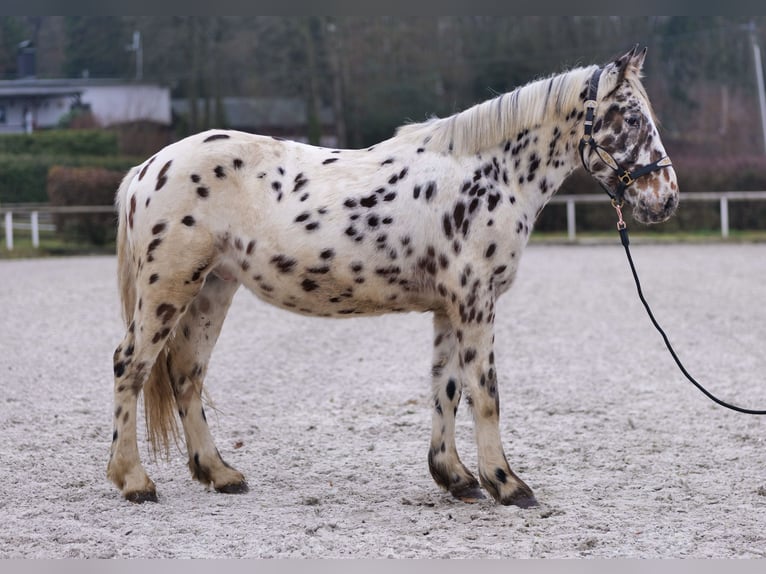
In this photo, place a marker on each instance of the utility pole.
(758, 78)
(335, 39)
(313, 121)
(139, 50)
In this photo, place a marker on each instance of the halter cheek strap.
(625, 177)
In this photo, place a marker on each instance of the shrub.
(23, 178)
(84, 186)
(61, 142)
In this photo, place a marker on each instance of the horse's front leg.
(443, 461)
(477, 365)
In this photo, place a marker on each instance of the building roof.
(34, 87)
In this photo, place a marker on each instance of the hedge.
(84, 186)
(23, 177)
(61, 142)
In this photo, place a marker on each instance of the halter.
(624, 176)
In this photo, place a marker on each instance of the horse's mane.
(493, 121)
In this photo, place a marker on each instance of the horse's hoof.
(520, 499)
(469, 494)
(234, 488)
(141, 497)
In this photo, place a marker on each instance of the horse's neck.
(540, 157)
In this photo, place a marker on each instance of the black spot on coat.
(459, 213)
(430, 190)
(283, 263)
(451, 389)
(369, 201)
(216, 137)
(162, 177)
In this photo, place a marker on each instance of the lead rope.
(623, 230)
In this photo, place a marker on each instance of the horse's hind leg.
(158, 306)
(187, 359)
(130, 373)
(443, 461)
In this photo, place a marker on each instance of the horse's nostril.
(670, 204)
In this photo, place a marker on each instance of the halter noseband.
(624, 176)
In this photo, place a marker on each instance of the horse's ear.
(630, 62)
(637, 61)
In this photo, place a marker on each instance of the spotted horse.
(433, 219)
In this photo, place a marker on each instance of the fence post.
(724, 217)
(34, 224)
(9, 230)
(571, 219)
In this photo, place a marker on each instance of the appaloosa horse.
(433, 219)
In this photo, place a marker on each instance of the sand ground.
(330, 421)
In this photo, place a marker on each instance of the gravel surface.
(330, 421)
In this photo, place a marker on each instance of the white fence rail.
(29, 218)
(721, 197)
(30, 213)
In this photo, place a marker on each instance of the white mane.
(490, 122)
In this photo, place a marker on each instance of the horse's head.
(621, 147)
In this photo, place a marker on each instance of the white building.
(28, 104)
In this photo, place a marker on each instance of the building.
(28, 104)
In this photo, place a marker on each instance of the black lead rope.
(625, 179)
(623, 229)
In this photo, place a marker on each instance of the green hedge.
(68, 186)
(61, 142)
(23, 177)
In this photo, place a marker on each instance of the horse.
(434, 219)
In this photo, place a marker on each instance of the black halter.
(625, 177)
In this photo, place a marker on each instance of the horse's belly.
(328, 295)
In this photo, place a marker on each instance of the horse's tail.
(159, 406)
(158, 392)
(126, 276)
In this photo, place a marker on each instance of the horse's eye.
(633, 121)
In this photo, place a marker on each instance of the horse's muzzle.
(657, 199)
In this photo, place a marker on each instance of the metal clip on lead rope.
(622, 227)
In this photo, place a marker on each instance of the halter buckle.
(626, 178)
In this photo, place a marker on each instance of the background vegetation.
(379, 72)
